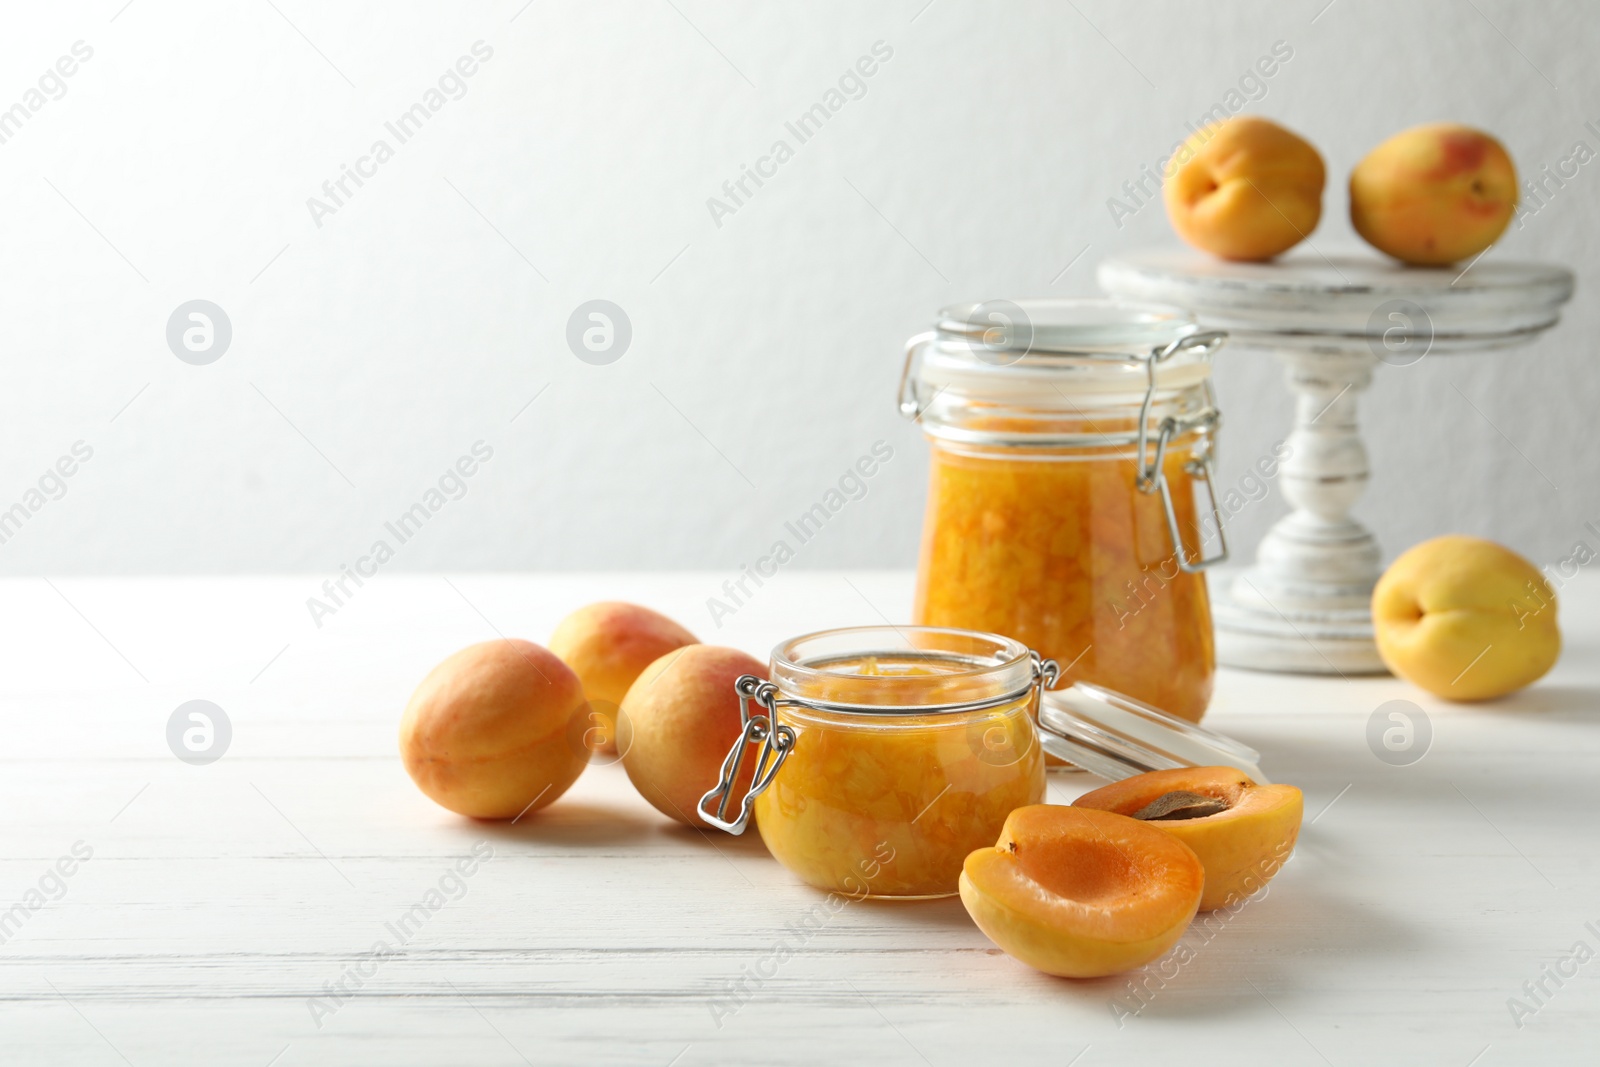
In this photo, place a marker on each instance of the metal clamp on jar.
(1071, 497)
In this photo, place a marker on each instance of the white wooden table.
(219, 900)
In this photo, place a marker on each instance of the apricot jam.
(906, 749)
(1069, 558)
(1070, 455)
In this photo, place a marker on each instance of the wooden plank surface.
(222, 905)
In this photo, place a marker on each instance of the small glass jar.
(1071, 440)
(902, 749)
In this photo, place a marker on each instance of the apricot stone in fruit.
(1434, 194)
(488, 733)
(679, 719)
(1242, 832)
(1082, 893)
(1465, 618)
(608, 644)
(1244, 188)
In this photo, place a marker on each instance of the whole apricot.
(1465, 618)
(680, 718)
(1434, 194)
(1082, 893)
(1244, 188)
(489, 732)
(1242, 832)
(608, 644)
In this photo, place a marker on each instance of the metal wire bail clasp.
(1046, 673)
(1152, 475)
(776, 741)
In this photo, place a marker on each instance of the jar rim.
(1008, 662)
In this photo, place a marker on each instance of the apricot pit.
(1242, 832)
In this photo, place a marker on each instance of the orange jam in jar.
(896, 752)
(1071, 442)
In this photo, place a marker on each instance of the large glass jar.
(884, 755)
(1071, 454)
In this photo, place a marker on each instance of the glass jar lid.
(1116, 736)
(1052, 354)
(1063, 326)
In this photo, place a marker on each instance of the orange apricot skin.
(1434, 194)
(608, 645)
(1466, 619)
(489, 732)
(1068, 938)
(1241, 848)
(1244, 189)
(679, 720)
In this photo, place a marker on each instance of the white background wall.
(369, 353)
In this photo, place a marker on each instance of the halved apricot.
(1082, 893)
(1242, 845)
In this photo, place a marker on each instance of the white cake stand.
(1304, 607)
